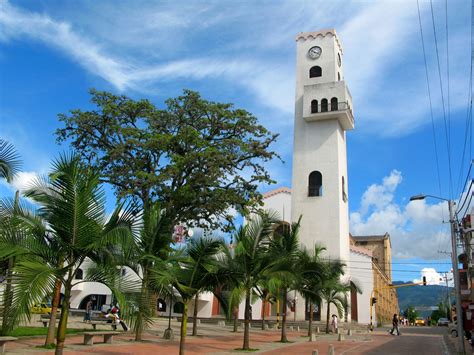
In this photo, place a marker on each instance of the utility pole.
(460, 329)
(448, 294)
(454, 259)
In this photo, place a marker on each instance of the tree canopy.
(199, 159)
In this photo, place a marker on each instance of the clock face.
(339, 59)
(314, 52)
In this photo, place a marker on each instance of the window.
(315, 72)
(324, 105)
(338, 76)
(79, 274)
(334, 104)
(315, 184)
(178, 307)
(314, 106)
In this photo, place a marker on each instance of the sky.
(52, 52)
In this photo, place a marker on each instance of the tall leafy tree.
(334, 293)
(197, 159)
(71, 204)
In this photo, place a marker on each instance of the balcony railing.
(332, 107)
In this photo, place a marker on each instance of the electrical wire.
(466, 197)
(430, 100)
(448, 143)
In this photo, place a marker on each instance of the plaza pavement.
(216, 340)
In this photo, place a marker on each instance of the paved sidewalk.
(220, 340)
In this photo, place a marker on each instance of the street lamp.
(454, 259)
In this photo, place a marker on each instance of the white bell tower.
(323, 114)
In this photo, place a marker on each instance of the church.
(323, 115)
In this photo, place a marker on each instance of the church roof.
(360, 250)
(322, 33)
(279, 190)
(360, 238)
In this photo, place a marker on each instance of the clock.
(314, 52)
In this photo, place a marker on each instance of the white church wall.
(362, 275)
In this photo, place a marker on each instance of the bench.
(45, 321)
(103, 322)
(108, 337)
(4, 341)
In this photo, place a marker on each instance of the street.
(413, 340)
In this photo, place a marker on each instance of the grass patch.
(31, 331)
(246, 351)
(49, 346)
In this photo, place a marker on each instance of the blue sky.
(52, 52)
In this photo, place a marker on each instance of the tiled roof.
(280, 190)
(360, 250)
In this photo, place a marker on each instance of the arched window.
(315, 184)
(314, 106)
(315, 72)
(79, 274)
(178, 307)
(338, 76)
(161, 305)
(334, 104)
(324, 105)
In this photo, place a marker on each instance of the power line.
(448, 143)
(429, 97)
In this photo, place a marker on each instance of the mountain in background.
(429, 295)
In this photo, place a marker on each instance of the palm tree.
(71, 204)
(312, 271)
(250, 262)
(334, 292)
(285, 250)
(189, 270)
(151, 248)
(9, 161)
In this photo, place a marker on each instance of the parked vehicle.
(443, 322)
(41, 308)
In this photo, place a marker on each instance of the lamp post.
(454, 259)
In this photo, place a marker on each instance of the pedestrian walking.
(334, 324)
(88, 314)
(395, 325)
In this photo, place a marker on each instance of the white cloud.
(142, 46)
(416, 228)
(435, 278)
(23, 180)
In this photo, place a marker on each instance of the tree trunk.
(264, 305)
(327, 319)
(54, 308)
(235, 313)
(283, 339)
(184, 324)
(142, 309)
(61, 337)
(7, 299)
(246, 345)
(195, 313)
(310, 322)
